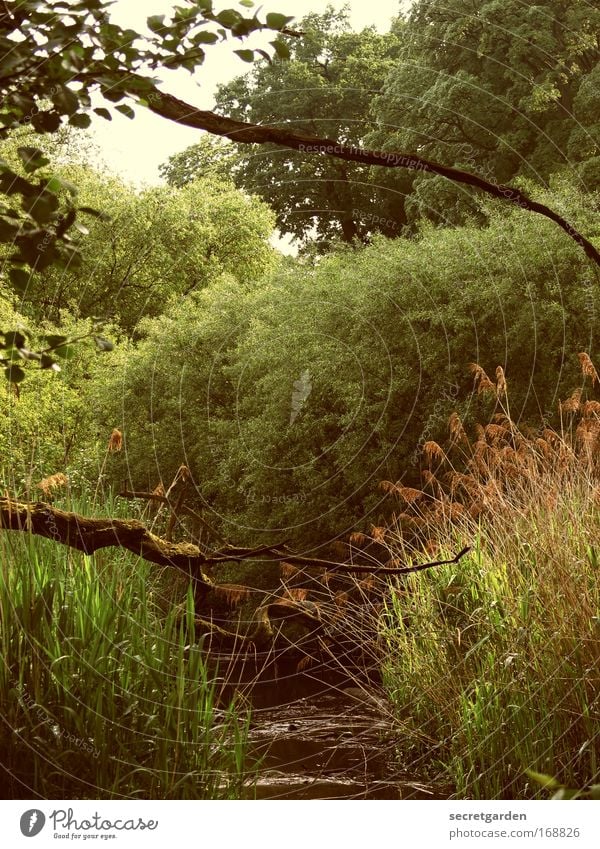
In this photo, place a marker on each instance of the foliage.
(324, 90)
(158, 243)
(55, 59)
(46, 50)
(45, 424)
(290, 400)
(212, 156)
(175, 373)
(509, 89)
(100, 693)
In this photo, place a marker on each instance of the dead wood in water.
(89, 535)
(92, 534)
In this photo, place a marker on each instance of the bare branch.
(90, 535)
(403, 570)
(173, 109)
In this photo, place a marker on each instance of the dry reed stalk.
(481, 381)
(49, 485)
(288, 571)
(587, 367)
(457, 431)
(500, 382)
(432, 451)
(572, 404)
(115, 442)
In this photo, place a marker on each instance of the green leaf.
(14, 339)
(156, 23)
(547, 781)
(46, 362)
(46, 122)
(8, 230)
(228, 18)
(126, 110)
(19, 278)
(41, 207)
(65, 100)
(281, 48)
(81, 120)
(104, 113)
(566, 793)
(110, 92)
(55, 184)
(594, 791)
(32, 158)
(247, 3)
(53, 340)
(245, 55)
(277, 21)
(103, 344)
(65, 352)
(204, 38)
(12, 184)
(95, 213)
(14, 374)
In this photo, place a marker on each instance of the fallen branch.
(175, 508)
(90, 535)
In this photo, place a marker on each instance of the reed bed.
(492, 665)
(102, 693)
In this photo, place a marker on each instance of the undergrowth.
(103, 693)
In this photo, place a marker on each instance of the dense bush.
(291, 399)
(45, 424)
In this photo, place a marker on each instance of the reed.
(102, 693)
(493, 665)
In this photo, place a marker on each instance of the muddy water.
(321, 734)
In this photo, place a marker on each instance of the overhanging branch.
(180, 112)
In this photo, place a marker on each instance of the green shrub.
(291, 399)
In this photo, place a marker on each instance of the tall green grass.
(103, 694)
(493, 664)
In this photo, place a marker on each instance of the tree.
(504, 89)
(325, 88)
(210, 157)
(54, 58)
(63, 62)
(158, 244)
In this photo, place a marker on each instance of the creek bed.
(319, 734)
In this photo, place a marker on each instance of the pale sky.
(135, 148)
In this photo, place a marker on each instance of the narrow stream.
(320, 734)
